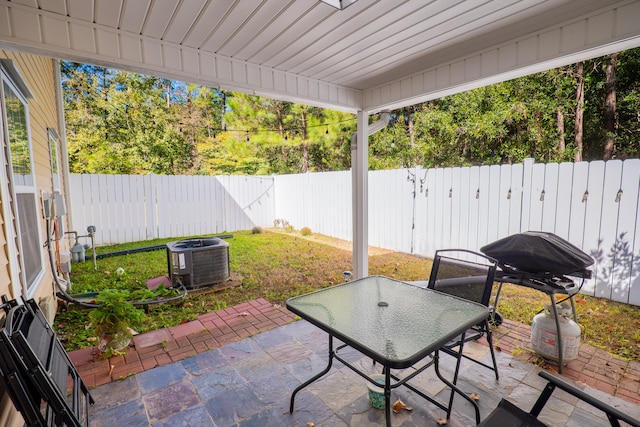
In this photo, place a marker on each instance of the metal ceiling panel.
(5, 22)
(291, 32)
(254, 26)
(158, 18)
(234, 24)
(346, 31)
(25, 25)
(379, 34)
(207, 23)
(54, 31)
(29, 3)
(133, 15)
(80, 9)
(373, 54)
(271, 34)
(57, 6)
(417, 37)
(107, 12)
(183, 19)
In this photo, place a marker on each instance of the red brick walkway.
(593, 367)
(169, 345)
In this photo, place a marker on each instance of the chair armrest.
(612, 413)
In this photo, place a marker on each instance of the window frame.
(54, 158)
(16, 250)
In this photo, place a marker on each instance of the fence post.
(527, 174)
(150, 204)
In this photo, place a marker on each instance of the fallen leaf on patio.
(475, 396)
(310, 424)
(399, 405)
(441, 421)
(111, 368)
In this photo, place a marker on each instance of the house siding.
(38, 74)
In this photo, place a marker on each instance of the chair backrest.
(463, 273)
(36, 371)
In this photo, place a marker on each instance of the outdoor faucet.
(347, 276)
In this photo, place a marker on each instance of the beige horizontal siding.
(37, 72)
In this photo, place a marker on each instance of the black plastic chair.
(39, 377)
(469, 275)
(506, 414)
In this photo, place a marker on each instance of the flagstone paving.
(238, 366)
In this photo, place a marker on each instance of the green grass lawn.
(278, 265)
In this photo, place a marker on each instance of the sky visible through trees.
(127, 123)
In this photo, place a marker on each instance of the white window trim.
(7, 213)
(52, 135)
(12, 78)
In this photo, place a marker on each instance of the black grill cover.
(540, 252)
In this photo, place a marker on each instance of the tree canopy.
(122, 122)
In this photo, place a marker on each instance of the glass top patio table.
(394, 323)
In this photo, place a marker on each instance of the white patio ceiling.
(373, 55)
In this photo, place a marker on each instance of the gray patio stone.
(289, 352)
(194, 416)
(228, 409)
(204, 363)
(249, 383)
(272, 338)
(130, 414)
(306, 368)
(308, 408)
(218, 382)
(115, 394)
(169, 400)
(160, 377)
(240, 349)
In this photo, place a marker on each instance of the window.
(22, 185)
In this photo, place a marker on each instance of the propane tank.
(544, 336)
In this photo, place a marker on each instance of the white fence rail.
(594, 205)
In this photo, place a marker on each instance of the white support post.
(360, 197)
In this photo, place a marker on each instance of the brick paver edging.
(593, 367)
(169, 345)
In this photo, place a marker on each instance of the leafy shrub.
(256, 230)
(305, 231)
(114, 319)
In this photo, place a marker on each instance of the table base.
(398, 381)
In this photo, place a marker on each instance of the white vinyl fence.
(130, 208)
(594, 205)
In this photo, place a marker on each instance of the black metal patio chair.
(506, 414)
(469, 275)
(36, 372)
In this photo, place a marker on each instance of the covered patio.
(218, 371)
(365, 57)
(239, 366)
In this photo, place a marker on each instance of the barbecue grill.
(542, 261)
